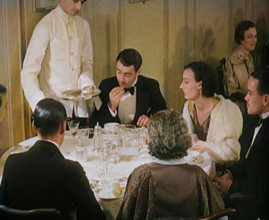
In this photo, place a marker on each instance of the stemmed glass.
(73, 126)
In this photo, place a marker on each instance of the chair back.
(222, 85)
(8, 213)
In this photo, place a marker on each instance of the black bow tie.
(261, 120)
(130, 90)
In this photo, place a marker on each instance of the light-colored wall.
(168, 33)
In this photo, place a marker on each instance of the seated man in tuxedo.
(247, 181)
(128, 97)
(42, 177)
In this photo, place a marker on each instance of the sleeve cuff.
(114, 114)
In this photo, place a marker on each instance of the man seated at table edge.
(42, 177)
(128, 97)
(247, 182)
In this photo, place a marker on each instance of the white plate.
(108, 195)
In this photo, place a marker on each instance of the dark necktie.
(130, 90)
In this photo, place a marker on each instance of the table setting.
(122, 149)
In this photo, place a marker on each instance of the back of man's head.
(263, 77)
(49, 114)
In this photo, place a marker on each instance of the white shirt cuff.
(114, 114)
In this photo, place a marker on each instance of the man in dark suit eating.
(128, 97)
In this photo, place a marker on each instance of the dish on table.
(109, 191)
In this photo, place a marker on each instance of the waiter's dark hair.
(263, 76)
(48, 115)
(129, 57)
(3, 90)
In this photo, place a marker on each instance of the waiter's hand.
(115, 96)
(142, 120)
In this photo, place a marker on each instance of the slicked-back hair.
(129, 57)
(48, 115)
(240, 29)
(263, 77)
(3, 91)
(202, 72)
(168, 135)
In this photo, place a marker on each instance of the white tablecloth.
(115, 172)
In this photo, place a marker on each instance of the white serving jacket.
(59, 57)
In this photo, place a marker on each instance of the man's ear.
(139, 71)
(266, 99)
(62, 127)
(34, 128)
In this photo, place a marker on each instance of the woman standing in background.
(240, 64)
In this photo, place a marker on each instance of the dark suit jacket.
(251, 175)
(148, 100)
(43, 178)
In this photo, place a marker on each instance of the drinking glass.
(143, 142)
(83, 135)
(81, 153)
(130, 144)
(73, 126)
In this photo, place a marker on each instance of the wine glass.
(73, 126)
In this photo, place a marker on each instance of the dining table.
(107, 169)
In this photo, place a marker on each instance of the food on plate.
(72, 93)
(117, 189)
(197, 160)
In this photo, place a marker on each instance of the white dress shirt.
(59, 57)
(263, 116)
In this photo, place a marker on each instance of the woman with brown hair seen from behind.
(168, 187)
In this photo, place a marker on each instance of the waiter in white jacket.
(59, 57)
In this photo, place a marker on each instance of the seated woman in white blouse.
(168, 187)
(215, 122)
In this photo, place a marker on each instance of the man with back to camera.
(42, 177)
(128, 97)
(249, 177)
(59, 57)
